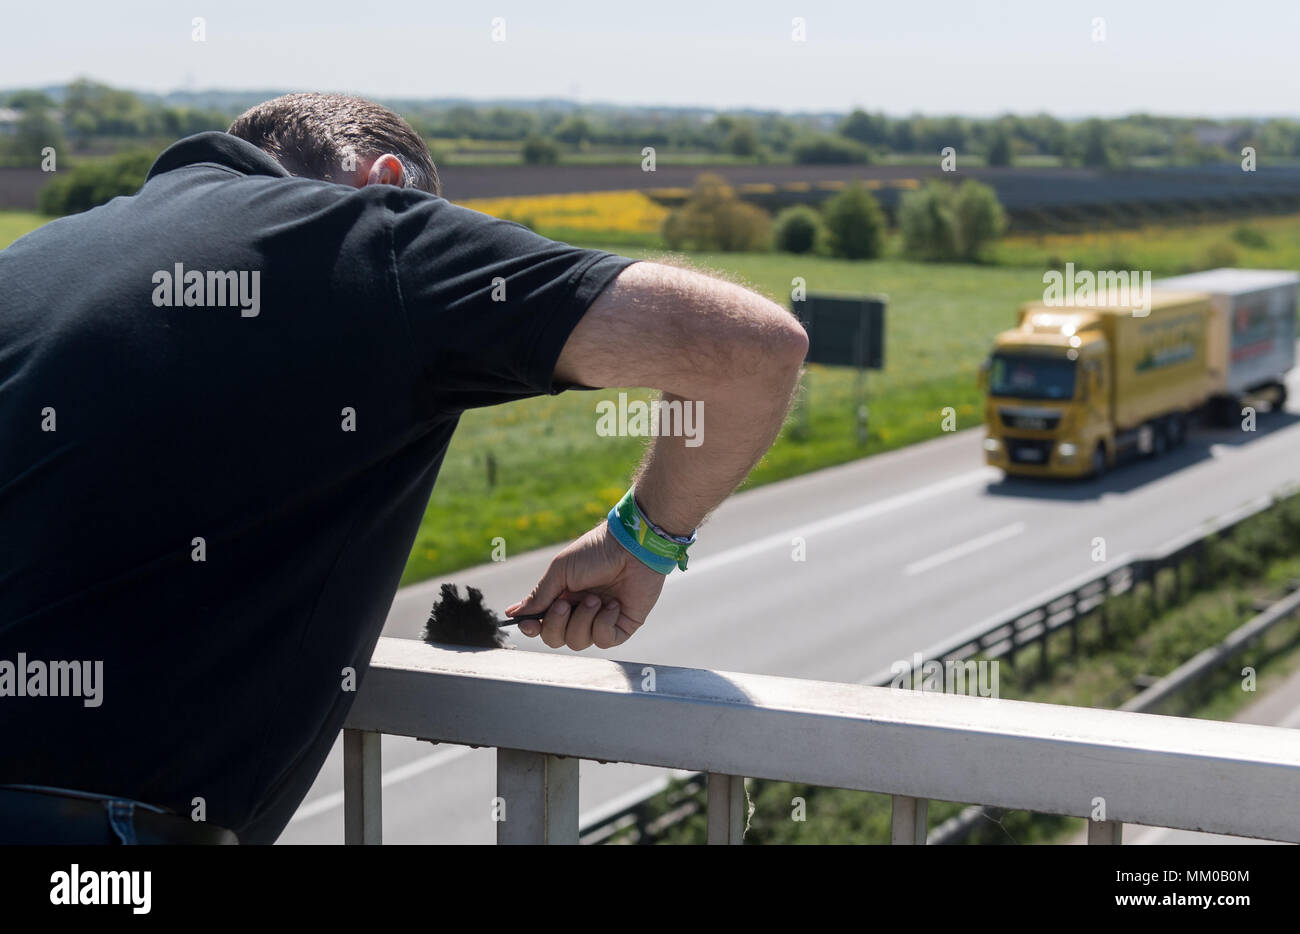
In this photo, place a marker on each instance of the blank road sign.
(845, 331)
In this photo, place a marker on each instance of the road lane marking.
(960, 551)
(326, 803)
(867, 511)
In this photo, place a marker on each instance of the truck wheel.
(1177, 430)
(1098, 461)
(1159, 440)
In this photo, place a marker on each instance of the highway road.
(903, 550)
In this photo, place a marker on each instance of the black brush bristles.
(458, 621)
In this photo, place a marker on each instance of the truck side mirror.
(982, 377)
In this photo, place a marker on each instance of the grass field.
(1267, 242)
(14, 224)
(554, 476)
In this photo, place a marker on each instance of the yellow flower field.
(622, 211)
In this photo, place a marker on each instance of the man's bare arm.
(696, 339)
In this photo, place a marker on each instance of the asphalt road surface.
(903, 550)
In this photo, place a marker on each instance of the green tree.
(1094, 146)
(713, 218)
(798, 229)
(36, 129)
(95, 183)
(929, 223)
(868, 129)
(743, 139)
(538, 150)
(823, 149)
(949, 224)
(574, 131)
(999, 153)
(855, 225)
(30, 100)
(980, 218)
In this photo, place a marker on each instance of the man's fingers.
(578, 634)
(625, 628)
(553, 626)
(602, 628)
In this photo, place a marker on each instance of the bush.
(1219, 254)
(35, 131)
(713, 218)
(95, 183)
(829, 150)
(855, 225)
(999, 150)
(980, 218)
(743, 139)
(1092, 145)
(798, 229)
(538, 150)
(947, 224)
(929, 223)
(1252, 238)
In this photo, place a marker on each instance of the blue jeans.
(120, 812)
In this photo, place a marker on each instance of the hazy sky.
(934, 56)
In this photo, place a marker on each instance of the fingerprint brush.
(466, 621)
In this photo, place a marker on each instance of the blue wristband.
(648, 543)
(640, 552)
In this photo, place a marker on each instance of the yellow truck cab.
(1074, 388)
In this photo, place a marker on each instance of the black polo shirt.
(223, 405)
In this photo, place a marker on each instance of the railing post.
(907, 823)
(363, 821)
(727, 809)
(537, 798)
(1105, 832)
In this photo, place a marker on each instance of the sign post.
(846, 330)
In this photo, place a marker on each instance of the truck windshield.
(1027, 377)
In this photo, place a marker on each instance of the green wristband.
(639, 535)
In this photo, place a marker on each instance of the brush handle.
(510, 621)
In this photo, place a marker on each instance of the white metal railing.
(544, 713)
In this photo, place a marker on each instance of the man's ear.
(386, 170)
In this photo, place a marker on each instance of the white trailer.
(1252, 344)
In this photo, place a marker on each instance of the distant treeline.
(864, 137)
(90, 116)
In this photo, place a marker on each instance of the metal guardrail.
(544, 713)
(1030, 623)
(959, 826)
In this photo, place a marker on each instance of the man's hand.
(593, 592)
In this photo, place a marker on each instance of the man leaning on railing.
(225, 403)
